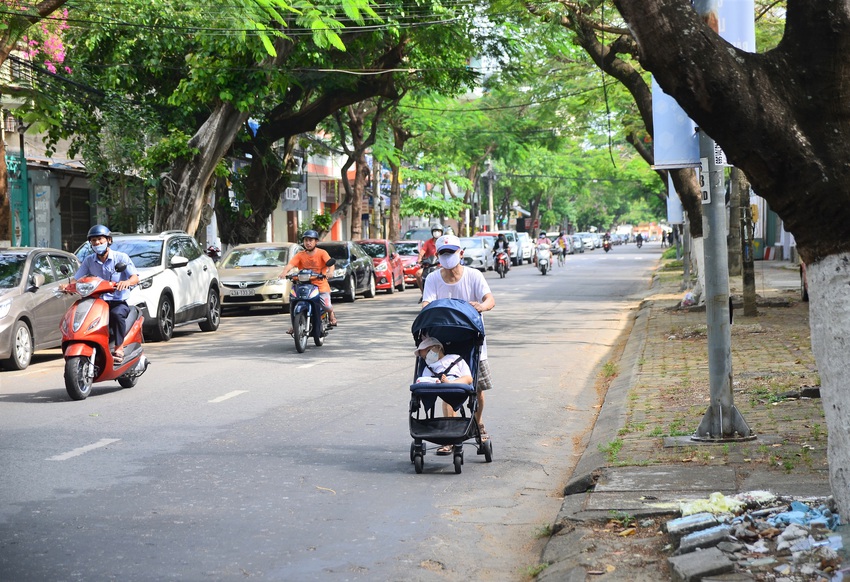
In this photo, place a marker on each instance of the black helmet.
(310, 234)
(99, 230)
(437, 227)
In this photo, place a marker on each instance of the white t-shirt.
(471, 287)
(440, 366)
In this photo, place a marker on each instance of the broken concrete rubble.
(791, 540)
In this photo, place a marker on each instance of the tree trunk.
(5, 199)
(733, 242)
(400, 138)
(783, 117)
(182, 192)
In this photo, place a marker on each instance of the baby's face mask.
(432, 356)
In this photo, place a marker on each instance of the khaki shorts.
(485, 380)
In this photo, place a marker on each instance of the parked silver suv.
(178, 284)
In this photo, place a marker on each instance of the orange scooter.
(85, 341)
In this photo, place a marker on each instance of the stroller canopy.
(449, 320)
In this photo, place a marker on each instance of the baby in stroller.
(445, 368)
(455, 326)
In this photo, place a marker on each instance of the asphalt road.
(235, 457)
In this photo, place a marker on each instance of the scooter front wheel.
(299, 331)
(79, 377)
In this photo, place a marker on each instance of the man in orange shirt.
(315, 259)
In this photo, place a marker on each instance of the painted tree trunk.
(829, 313)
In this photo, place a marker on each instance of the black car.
(354, 272)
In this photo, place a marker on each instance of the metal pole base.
(719, 425)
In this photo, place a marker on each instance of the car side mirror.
(64, 270)
(330, 262)
(121, 267)
(36, 280)
(178, 261)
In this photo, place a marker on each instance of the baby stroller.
(460, 329)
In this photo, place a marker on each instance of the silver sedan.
(477, 252)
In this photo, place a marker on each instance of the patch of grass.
(535, 571)
(764, 395)
(611, 450)
(817, 432)
(609, 370)
(656, 432)
(544, 531)
(622, 518)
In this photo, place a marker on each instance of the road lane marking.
(310, 365)
(227, 396)
(83, 450)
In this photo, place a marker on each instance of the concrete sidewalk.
(640, 461)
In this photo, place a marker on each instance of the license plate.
(241, 292)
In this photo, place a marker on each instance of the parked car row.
(180, 284)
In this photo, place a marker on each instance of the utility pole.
(722, 420)
(491, 176)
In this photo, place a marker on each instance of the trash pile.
(757, 536)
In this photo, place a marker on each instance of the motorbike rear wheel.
(79, 377)
(128, 381)
(299, 331)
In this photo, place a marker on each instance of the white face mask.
(432, 357)
(450, 261)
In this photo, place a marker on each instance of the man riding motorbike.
(429, 249)
(314, 259)
(101, 264)
(502, 244)
(542, 239)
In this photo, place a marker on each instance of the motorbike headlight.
(85, 289)
(5, 306)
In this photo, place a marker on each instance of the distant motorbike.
(306, 309)
(544, 258)
(501, 263)
(214, 253)
(85, 341)
(429, 265)
(606, 244)
(639, 243)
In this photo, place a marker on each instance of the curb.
(612, 415)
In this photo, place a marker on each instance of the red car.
(409, 252)
(389, 273)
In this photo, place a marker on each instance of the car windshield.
(375, 250)
(143, 253)
(337, 252)
(256, 257)
(11, 269)
(404, 248)
(470, 243)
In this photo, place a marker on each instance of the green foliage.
(432, 206)
(322, 222)
(173, 147)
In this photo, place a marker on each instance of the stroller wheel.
(488, 450)
(458, 462)
(412, 447)
(418, 463)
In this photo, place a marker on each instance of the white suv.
(178, 283)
